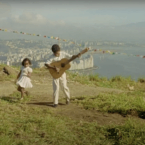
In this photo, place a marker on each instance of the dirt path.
(42, 92)
(6, 88)
(42, 97)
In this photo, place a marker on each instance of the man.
(56, 56)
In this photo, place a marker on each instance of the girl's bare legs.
(22, 93)
(20, 89)
(27, 93)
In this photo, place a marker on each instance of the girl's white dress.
(24, 81)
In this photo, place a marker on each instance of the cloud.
(36, 23)
(5, 10)
(30, 18)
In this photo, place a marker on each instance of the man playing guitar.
(57, 64)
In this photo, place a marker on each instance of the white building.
(8, 63)
(87, 62)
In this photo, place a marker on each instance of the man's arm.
(49, 66)
(70, 56)
(49, 61)
(53, 67)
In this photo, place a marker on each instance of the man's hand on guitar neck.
(79, 55)
(75, 56)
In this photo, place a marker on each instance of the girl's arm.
(29, 72)
(29, 75)
(19, 74)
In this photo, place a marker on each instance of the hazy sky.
(70, 19)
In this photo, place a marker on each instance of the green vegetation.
(23, 124)
(4, 77)
(123, 103)
(15, 98)
(117, 82)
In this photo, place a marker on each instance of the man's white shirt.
(54, 58)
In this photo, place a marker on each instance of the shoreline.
(93, 68)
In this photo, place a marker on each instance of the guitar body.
(54, 73)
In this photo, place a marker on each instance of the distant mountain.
(139, 24)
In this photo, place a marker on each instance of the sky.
(89, 20)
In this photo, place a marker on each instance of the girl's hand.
(28, 75)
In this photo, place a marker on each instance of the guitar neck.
(75, 56)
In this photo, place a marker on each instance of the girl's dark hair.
(26, 59)
(55, 48)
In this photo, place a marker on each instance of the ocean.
(120, 64)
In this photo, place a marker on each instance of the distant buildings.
(78, 64)
(8, 63)
(84, 63)
(39, 51)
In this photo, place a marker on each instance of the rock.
(5, 70)
(8, 70)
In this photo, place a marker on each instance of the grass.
(131, 133)
(116, 82)
(123, 103)
(24, 125)
(15, 98)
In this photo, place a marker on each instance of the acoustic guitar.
(63, 65)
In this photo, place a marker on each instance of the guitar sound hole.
(62, 65)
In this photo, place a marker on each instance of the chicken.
(131, 88)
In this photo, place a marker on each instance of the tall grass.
(123, 103)
(117, 82)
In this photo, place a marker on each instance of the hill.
(101, 112)
(139, 24)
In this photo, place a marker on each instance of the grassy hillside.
(118, 82)
(101, 112)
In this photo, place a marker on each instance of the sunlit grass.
(123, 103)
(116, 82)
(21, 125)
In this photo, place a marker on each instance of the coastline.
(87, 69)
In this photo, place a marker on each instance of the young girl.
(23, 78)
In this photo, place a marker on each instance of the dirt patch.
(7, 88)
(76, 113)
